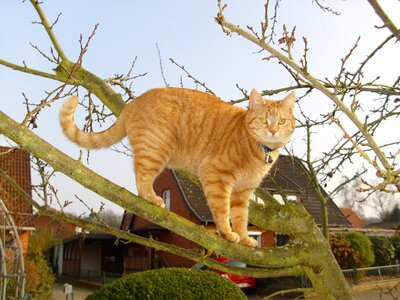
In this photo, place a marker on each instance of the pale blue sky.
(185, 31)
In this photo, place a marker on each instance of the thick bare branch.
(274, 258)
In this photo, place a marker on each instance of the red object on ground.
(243, 282)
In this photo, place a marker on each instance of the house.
(184, 197)
(89, 255)
(57, 229)
(15, 162)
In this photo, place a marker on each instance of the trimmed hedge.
(170, 283)
(396, 245)
(363, 246)
(383, 250)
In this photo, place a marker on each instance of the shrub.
(39, 275)
(169, 283)
(383, 251)
(363, 246)
(396, 245)
(346, 256)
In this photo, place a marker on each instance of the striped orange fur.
(197, 132)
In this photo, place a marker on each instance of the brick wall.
(16, 163)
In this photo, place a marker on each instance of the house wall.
(139, 258)
(136, 258)
(16, 163)
(91, 259)
(166, 181)
(72, 258)
(112, 257)
(268, 239)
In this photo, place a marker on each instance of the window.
(167, 199)
(257, 236)
(281, 239)
(257, 199)
(287, 198)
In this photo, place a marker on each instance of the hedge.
(170, 283)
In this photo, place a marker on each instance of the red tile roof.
(354, 219)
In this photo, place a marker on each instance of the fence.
(98, 277)
(353, 276)
(357, 276)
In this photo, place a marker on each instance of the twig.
(161, 66)
(48, 28)
(312, 81)
(192, 77)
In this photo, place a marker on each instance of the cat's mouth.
(275, 141)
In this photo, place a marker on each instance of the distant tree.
(382, 204)
(392, 215)
(111, 218)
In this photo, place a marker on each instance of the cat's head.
(271, 122)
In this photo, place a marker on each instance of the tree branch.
(273, 258)
(315, 83)
(385, 18)
(48, 28)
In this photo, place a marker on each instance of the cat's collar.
(267, 154)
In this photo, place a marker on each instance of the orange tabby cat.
(229, 148)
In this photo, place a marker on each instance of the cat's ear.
(288, 101)
(255, 99)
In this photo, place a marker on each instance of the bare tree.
(308, 251)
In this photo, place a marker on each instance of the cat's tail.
(89, 140)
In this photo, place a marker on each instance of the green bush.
(383, 251)
(396, 245)
(346, 256)
(363, 246)
(170, 283)
(39, 275)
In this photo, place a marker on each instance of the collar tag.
(267, 152)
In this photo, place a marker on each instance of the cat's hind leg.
(148, 164)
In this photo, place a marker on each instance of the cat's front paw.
(248, 241)
(159, 202)
(231, 236)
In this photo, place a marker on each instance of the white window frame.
(166, 195)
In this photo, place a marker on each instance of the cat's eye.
(282, 121)
(262, 120)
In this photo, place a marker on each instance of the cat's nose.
(272, 132)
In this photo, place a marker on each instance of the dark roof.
(194, 197)
(288, 176)
(92, 235)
